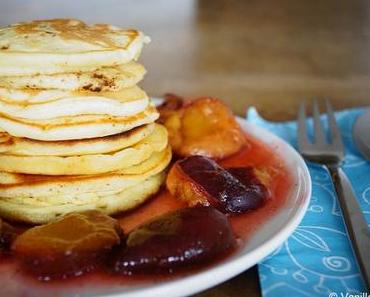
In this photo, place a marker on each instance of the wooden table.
(270, 54)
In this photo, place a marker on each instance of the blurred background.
(270, 54)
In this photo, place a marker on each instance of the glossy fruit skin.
(256, 193)
(175, 240)
(200, 180)
(70, 246)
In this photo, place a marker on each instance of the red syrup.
(256, 154)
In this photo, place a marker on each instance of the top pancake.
(65, 45)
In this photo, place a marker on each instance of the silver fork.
(330, 154)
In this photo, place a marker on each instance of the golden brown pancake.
(30, 147)
(46, 189)
(64, 46)
(103, 79)
(111, 204)
(87, 164)
(31, 105)
(78, 127)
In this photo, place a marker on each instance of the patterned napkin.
(317, 259)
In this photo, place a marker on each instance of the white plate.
(263, 242)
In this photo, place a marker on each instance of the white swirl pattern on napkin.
(317, 258)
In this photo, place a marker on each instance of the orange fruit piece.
(204, 126)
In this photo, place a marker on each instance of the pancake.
(110, 204)
(64, 46)
(124, 103)
(79, 127)
(103, 79)
(27, 96)
(87, 164)
(30, 147)
(42, 189)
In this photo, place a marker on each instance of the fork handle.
(357, 228)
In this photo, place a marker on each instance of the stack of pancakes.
(76, 132)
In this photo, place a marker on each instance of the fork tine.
(319, 137)
(303, 141)
(336, 138)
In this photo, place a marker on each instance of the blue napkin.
(317, 259)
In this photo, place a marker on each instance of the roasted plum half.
(175, 240)
(200, 180)
(204, 126)
(70, 246)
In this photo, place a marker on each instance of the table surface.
(270, 54)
